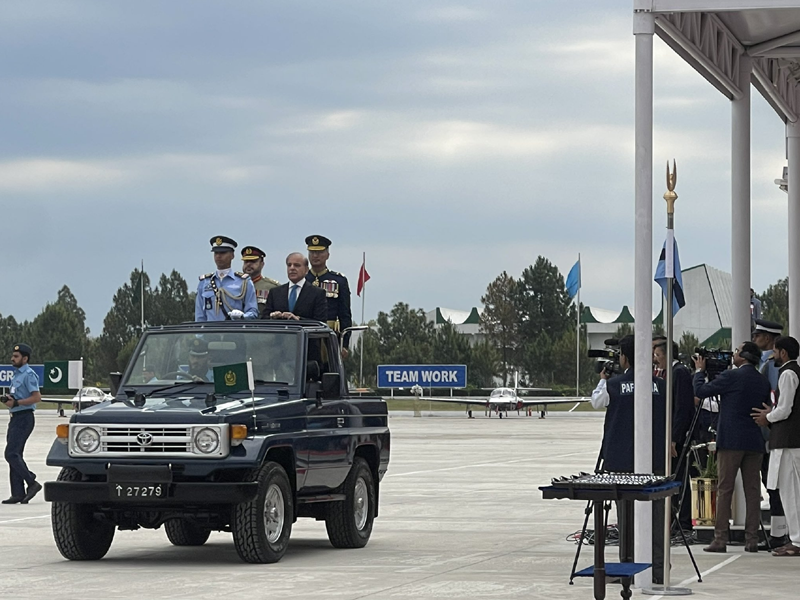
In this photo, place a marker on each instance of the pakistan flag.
(229, 379)
(63, 375)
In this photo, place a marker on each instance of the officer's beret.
(252, 253)
(199, 348)
(23, 349)
(769, 327)
(220, 243)
(317, 242)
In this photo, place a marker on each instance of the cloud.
(43, 175)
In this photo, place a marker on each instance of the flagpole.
(142, 294)
(669, 262)
(578, 333)
(361, 334)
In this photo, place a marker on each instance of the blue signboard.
(438, 376)
(7, 374)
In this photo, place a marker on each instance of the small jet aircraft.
(503, 399)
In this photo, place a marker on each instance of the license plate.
(138, 491)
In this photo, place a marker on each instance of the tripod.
(588, 511)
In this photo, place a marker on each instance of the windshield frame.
(206, 387)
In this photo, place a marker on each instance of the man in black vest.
(615, 394)
(784, 439)
(740, 445)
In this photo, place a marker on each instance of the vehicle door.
(327, 419)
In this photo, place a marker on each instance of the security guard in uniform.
(337, 290)
(252, 264)
(225, 294)
(21, 403)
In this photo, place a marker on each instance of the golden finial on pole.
(670, 196)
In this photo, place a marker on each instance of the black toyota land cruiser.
(170, 450)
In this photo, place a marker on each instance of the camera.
(717, 360)
(607, 359)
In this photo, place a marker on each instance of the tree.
(563, 362)
(546, 313)
(484, 364)
(59, 332)
(171, 302)
(405, 336)
(11, 332)
(499, 320)
(687, 343)
(451, 347)
(775, 303)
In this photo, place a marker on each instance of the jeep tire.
(349, 523)
(262, 526)
(183, 532)
(78, 535)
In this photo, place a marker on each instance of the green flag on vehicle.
(63, 375)
(229, 379)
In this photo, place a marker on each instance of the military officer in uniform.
(337, 290)
(225, 294)
(252, 264)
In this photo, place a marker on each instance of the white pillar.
(740, 206)
(793, 135)
(740, 232)
(643, 29)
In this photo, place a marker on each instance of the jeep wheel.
(349, 523)
(182, 532)
(78, 535)
(262, 526)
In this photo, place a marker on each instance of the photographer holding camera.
(740, 445)
(615, 394)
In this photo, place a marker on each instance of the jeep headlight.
(206, 440)
(87, 440)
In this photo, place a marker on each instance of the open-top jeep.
(169, 451)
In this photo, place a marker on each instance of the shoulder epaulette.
(206, 276)
(242, 275)
(271, 280)
(336, 273)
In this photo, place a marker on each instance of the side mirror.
(116, 379)
(331, 385)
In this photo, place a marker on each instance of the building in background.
(467, 322)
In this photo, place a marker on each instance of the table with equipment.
(625, 489)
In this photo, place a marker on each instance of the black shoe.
(772, 543)
(12, 500)
(33, 489)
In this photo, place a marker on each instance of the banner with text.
(438, 376)
(7, 374)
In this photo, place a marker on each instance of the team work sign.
(443, 376)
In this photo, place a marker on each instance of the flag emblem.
(230, 379)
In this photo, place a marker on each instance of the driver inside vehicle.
(199, 368)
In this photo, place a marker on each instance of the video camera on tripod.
(717, 360)
(607, 359)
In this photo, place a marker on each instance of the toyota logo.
(144, 439)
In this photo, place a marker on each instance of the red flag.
(363, 277)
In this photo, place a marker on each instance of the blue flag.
(574, 279)
(671, 268)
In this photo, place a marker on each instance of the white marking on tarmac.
(487, 464)
(686, 582)
(24, 519)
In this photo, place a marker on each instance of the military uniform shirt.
(235, 291)
(337, 293)
(263, 285)
(23, 384)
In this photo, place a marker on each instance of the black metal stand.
(587, 512)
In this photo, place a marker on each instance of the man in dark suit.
(682, 415)
(297, 299)
(740, 445)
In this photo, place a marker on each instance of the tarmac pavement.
(461, 516)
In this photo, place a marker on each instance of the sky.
(449, 141)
